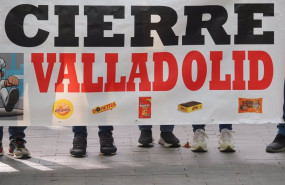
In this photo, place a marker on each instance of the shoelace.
(20, 142)
(106, 138)
(226, 135)
(200, 135)
(279, 139)
(79, 142)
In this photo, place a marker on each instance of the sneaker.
(79, 147)
(225, 141)
(12, 99)
(199, 141)
(17, 149)
(1, 149)
(146, 139)
(107, 146)
(169, 140)
(278, 145)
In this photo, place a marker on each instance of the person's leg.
(166, 128)
(105, 129)
(225, 126)
(79, 141)
(17, 143)
(145, 127)
(107, 145)
(278, 144)
(199, 143)
(17, 132)
(80, 131)
(1, 137)
(281, 129)
(167, 138)
(225, 138)
(1, 134)
(145, 140)
(196, 127)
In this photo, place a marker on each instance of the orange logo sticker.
(104, 108)
(250, 105)
(62, 109)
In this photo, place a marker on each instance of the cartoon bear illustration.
(8, 98)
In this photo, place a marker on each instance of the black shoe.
(107, 146)
(169, 140)
(278, 145)
(79, 147)
(12, 99)
(1, 149)
(146, 139)
(17, 149)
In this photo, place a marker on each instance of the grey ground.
(52, 164)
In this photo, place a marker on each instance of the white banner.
(144, 62)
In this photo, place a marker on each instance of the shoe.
(278, 145)
(225, 141)
(17, 149)
(199, 141)
(169, 140)
(1, 149)
(146, 140)
(107, 146)
(12, 99)
(79, 147)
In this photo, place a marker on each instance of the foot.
(278, 145)
(107, 146)
(12, 99)
(199, 143)
(169, 140)
(225, 141)
(1, 149)
(79, 147)
(146, 139)
(17, 149)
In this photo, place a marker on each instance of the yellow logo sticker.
(62, 109)
(104, 108)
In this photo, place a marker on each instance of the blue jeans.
(163, 128)
(14, 132)
(281, 126)
(221, 126)
(82, 130)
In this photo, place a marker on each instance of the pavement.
(52, 164)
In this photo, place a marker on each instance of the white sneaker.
(225, 141)
(199, 141)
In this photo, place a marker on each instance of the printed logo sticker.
(250, 105)
(104, 108)
(144, 107)
(190, 106)
(62, 109)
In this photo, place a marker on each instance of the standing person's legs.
(1, 134)
(107, 145)
(1, 137)
(199, 143)
(278, 144)
(225, 126)
(17, 143)
(196, 127)
(145, 140)
(281, 129)
(167, 138)
(225, 138)
(80, 131)
(79, 141)
(17, 132)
